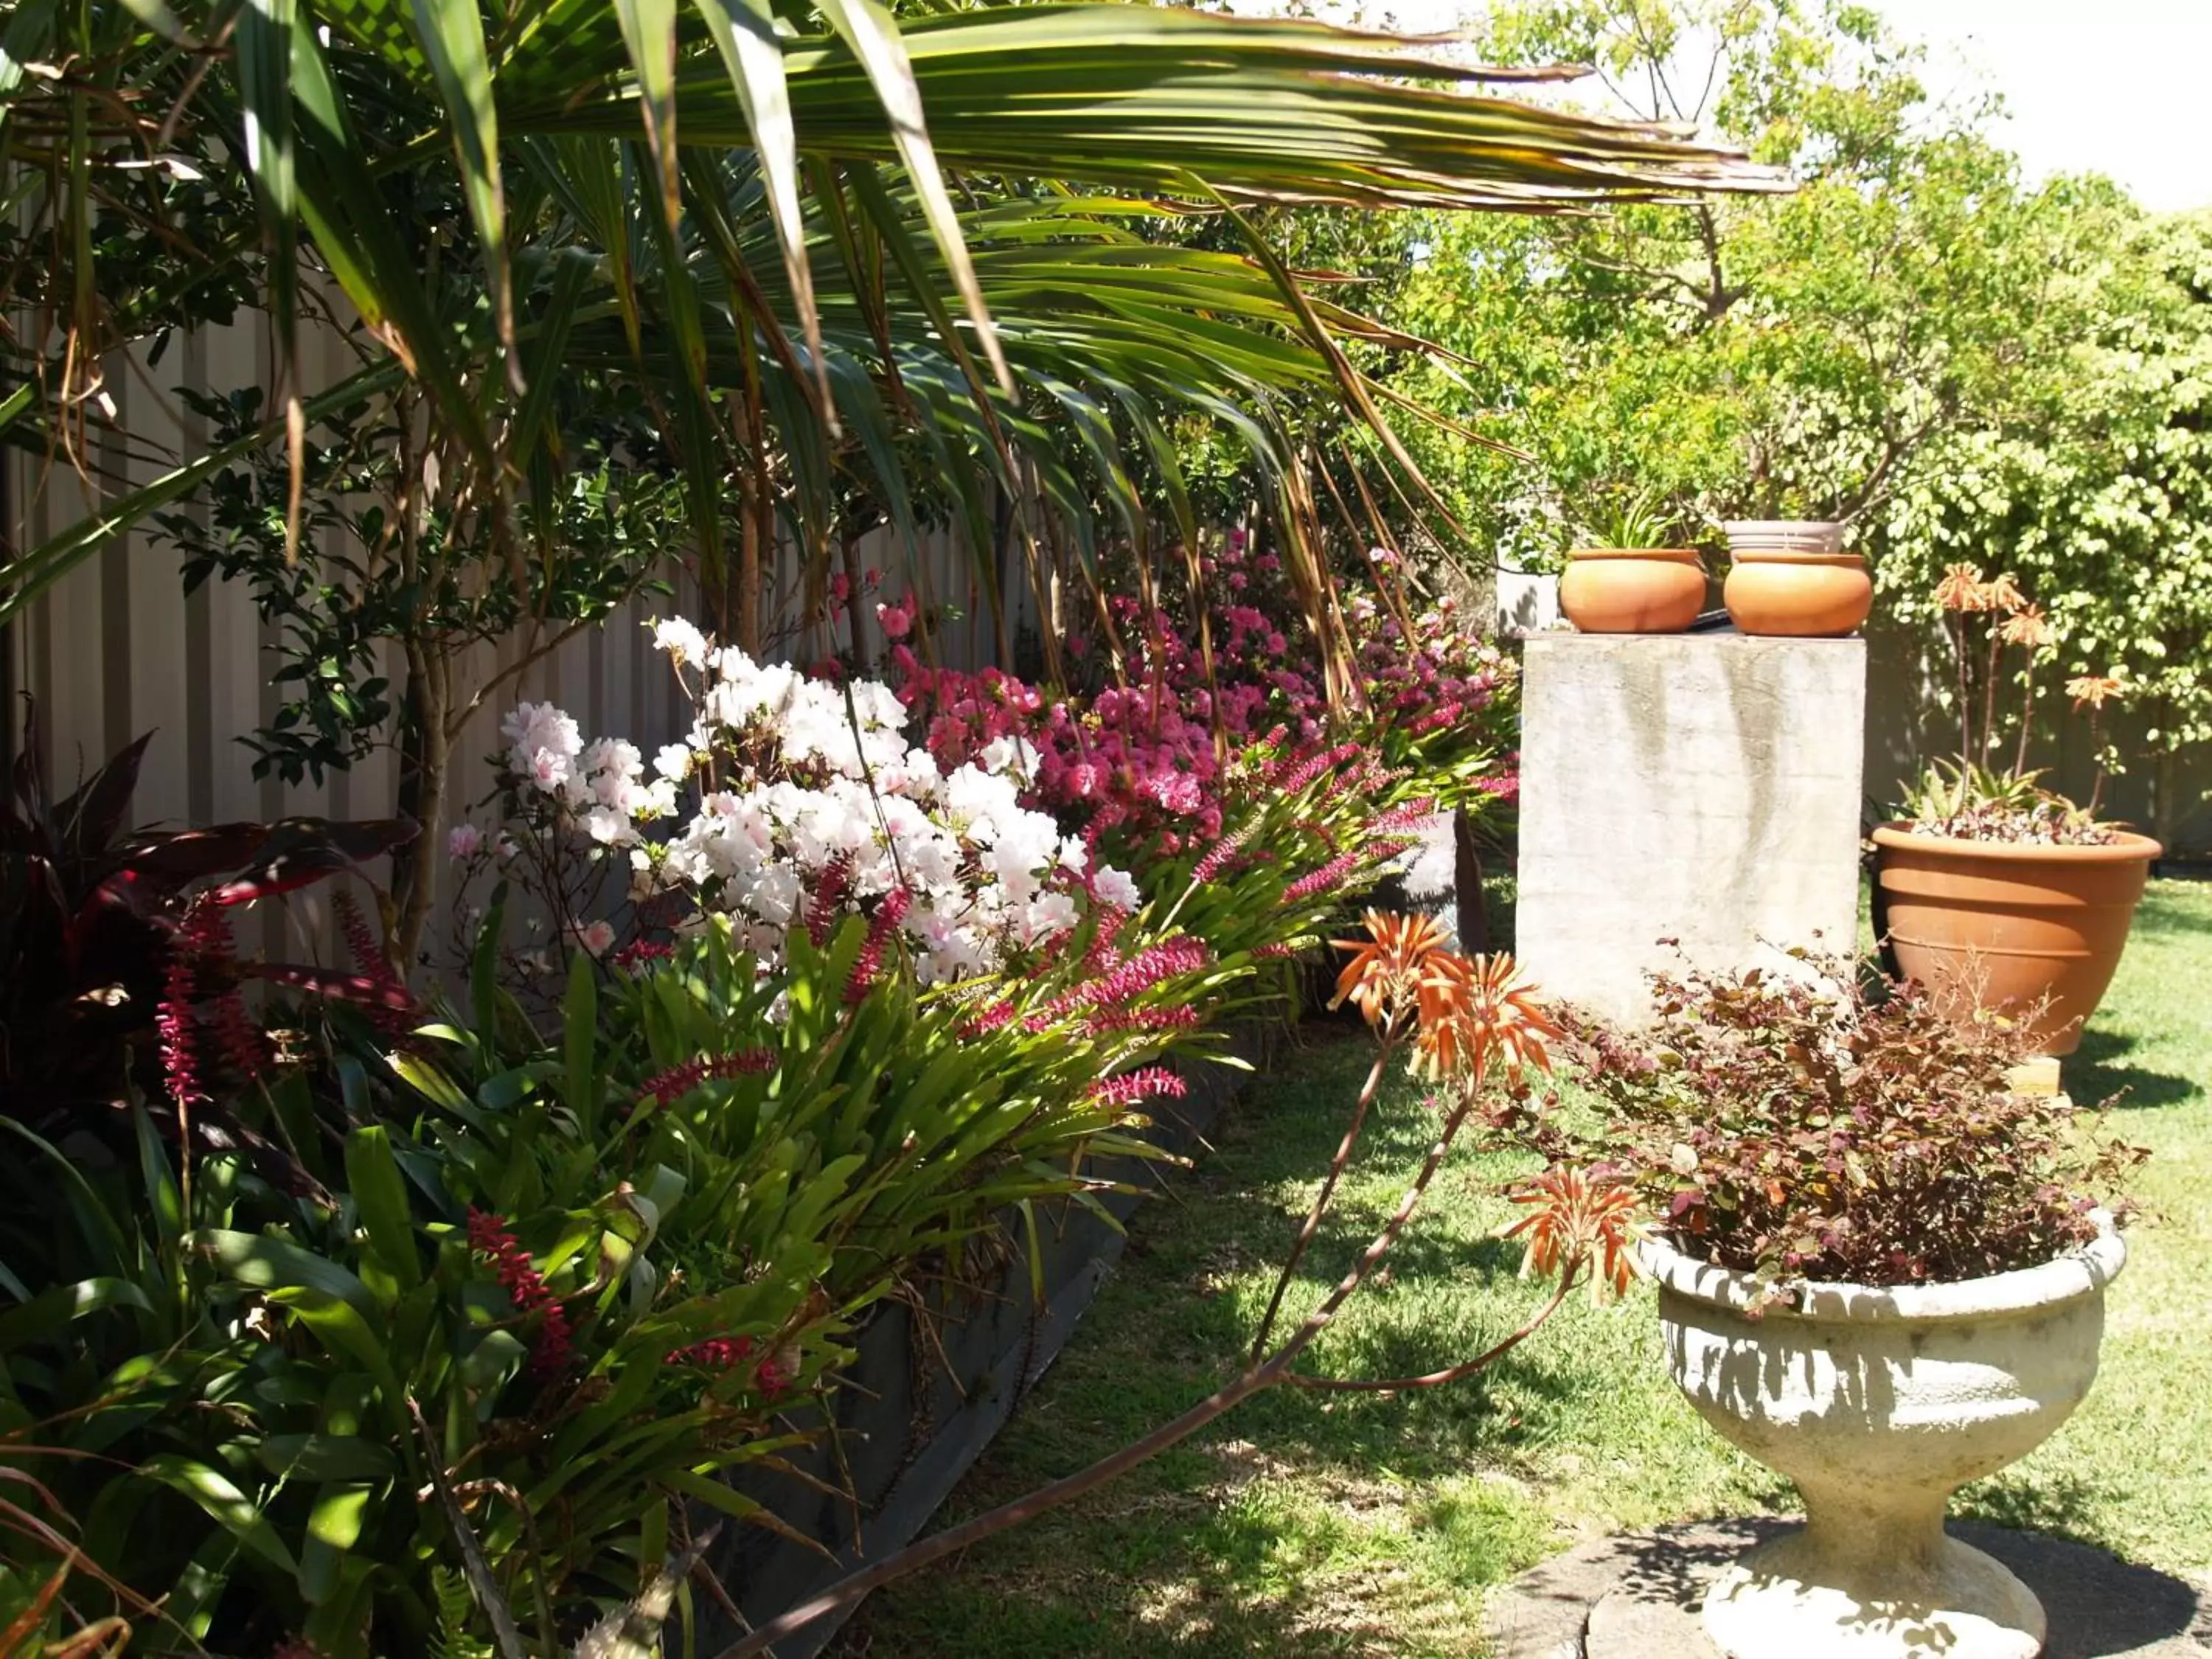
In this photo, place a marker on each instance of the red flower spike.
(490, 1237)
(667, 1087)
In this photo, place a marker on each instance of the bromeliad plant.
(1476, 1029)
(116, 945)
(539, 1302)
(1800, 1127)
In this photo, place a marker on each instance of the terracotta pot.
(1798, 595)
(1641, 590)
(1992, 923)
(1880, 1403)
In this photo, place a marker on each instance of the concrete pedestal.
(1701, 788)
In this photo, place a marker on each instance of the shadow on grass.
(1233, 1583)
(2171, 912)
(1307, 1522)
(2099, 1070)
(1304, 1521)
(2058, 1505)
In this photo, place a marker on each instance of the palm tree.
(761, 201)
(836, 256)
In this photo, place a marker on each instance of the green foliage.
(1983, 803)
(2099, 496)
(358, 578)
(594, 1264)
(1753, 358)
(1952, 789)
(751, 217)
(1631, 521)
(451, 1640)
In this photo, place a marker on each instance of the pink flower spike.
(1145, 1083)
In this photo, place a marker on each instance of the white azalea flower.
(609, 827)
(681, 640)
(1117, 887)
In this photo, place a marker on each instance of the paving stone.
(1635, 1596)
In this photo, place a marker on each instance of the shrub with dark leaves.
(1803, 1126)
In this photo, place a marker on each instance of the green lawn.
(1317, 1525)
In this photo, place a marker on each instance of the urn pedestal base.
(1792, 1597)
(1640, 1595)
(1879, 1402)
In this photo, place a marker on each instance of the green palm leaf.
(684, 272)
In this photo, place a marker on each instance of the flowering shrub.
(1153, 765)
(879, 984)
(795, 801)
(1800, 1128)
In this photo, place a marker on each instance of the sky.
(2115, 86)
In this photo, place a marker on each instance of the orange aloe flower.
(1477, 1011)
(1575, 1218)
(2030, 628)
(2003, 594)
(1386, 967)
(2095, 690)
(1962, 589)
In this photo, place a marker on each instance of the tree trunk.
(1473, 918)
(425, 758)
(2164, 806)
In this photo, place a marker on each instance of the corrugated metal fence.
(117, 648)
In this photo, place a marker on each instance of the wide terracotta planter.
(1643, 589)
(1790, 578)
(1879, 1404)
(1991, 924)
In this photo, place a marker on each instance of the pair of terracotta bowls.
(1786, 577)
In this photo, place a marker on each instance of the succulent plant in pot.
(1999, 894)
(1880, 1272)
(1629, 579)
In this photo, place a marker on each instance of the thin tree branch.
(1482, 1361)
(1336, 1169)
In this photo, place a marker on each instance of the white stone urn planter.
(1879, 1404)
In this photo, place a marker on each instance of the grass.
(1363, 1525)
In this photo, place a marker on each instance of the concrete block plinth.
(1700, 787)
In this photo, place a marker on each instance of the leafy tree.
(737, 214)
(1744, 357)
